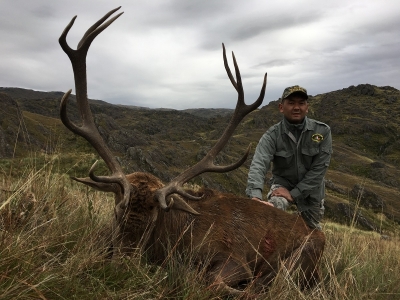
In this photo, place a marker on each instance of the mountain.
(362, 181)
(209, 112)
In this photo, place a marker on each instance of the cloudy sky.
(168, 53)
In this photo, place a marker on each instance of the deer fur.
(240, 239)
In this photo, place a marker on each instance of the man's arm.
(260, 165)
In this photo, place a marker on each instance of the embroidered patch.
(317, 137)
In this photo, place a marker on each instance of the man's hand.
(265, 202)
(282, 192)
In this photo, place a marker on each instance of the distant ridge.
(365, 123)
(28, 94)
(209, 112)
(20, 93)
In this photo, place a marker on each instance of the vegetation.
(52, 229)
(165, 142)
(52, 248)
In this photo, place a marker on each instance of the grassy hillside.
(51, 231)
(362, 180)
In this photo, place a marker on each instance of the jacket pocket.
(308, 155)
(283, 159)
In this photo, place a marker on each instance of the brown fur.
(240, 239)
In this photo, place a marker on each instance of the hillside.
(364, 169)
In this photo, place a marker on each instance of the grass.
(52, 246)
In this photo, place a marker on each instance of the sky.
(168, 54)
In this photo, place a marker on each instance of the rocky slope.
(362, 182)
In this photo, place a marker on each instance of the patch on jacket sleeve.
(317, 137)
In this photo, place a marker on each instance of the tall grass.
(52, 246)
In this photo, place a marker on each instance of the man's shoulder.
(317, 124)
(273, 132)
(274, 128)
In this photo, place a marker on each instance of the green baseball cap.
(294, 89)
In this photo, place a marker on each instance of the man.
(300, 149)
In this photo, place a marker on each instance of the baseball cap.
(294, 89)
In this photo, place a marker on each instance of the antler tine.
(89, 35)
(88, 128)
(228, 70)
(207, 163)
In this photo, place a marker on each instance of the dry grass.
(51, 247)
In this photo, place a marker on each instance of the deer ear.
(101, 186)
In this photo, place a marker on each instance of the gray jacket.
(300, 166)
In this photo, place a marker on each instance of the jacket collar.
(308, 125)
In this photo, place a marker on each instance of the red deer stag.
(239, 239)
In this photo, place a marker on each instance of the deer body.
(236, 239)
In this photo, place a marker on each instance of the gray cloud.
(168, 53)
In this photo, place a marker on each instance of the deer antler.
(88, 128)
(207, 163)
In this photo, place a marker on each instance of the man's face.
(294, 108)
